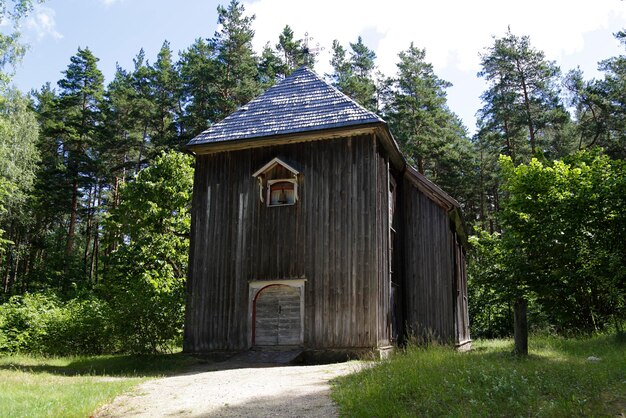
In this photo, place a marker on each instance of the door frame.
(255, 288)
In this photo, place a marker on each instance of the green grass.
(74, 386)
(555, 380)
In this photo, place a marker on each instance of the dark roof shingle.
(299, 103)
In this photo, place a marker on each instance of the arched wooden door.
(277, 316)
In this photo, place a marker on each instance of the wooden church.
(311, 231)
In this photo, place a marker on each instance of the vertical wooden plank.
(353, 237)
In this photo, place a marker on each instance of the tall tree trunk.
(96, 240)
(71, 231)
(141, 148)
(32, 257)
(529, 119)
(482, 191)
(24, 273)
(6, 279)
(7, 283)
(420, 165)
(94, 259)
(509, 144)
(90, 198)
(496, 206)
(521, 326)
(16, 265)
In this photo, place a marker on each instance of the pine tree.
(600, 105)
(198, 72)
(79, 105)
(417, 112)
(235, 61)
(144, 107)
(166, 90)
(271, 67)
(522, 105)
(354, 75)
(292, 51)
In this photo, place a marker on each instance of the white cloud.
(446, 28)
(453, 32)
(42, 23)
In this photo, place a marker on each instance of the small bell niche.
(278, 183)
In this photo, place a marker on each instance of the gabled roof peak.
(273, 162)
(301, 102)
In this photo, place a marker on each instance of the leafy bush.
(139, 307)
(562, 248)
(490, 300)
(150, 231)
(22, 321)
(42, 323)
(563, 239)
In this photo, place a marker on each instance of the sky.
(454, 32)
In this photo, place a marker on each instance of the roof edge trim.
(271, 164)
(290, 138)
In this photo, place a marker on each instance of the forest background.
(95, 191)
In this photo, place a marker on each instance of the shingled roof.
(301, 102)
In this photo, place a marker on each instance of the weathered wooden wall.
(461, 302)
(426, 264)
(335, 237)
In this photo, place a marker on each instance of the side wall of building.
(427, 267)
(335, 238)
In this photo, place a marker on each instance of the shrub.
(147, 271)
(42, 323)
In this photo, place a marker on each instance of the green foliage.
(197, 73)
(288, 55)
(220, 74)
(166, 97)
(489, 305)
(490, 293)
(600, 105)
(417, 111)
(140, 304)
(522, 113)
(353, 75)
(147, 270)
(564, 224)
(292, 51)
(42, 323)
(12, 13)
(18, 159)
(79, 102)
(18, 139)
(431, 136)
(235, 61)
(555, 380)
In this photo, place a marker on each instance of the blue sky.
(571, 32)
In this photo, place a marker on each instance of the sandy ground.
(234, 390)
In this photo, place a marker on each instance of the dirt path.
(234, 390)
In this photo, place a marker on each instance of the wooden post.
(521, 327)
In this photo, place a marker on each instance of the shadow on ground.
(161, 364)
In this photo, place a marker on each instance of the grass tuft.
(555, 380)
